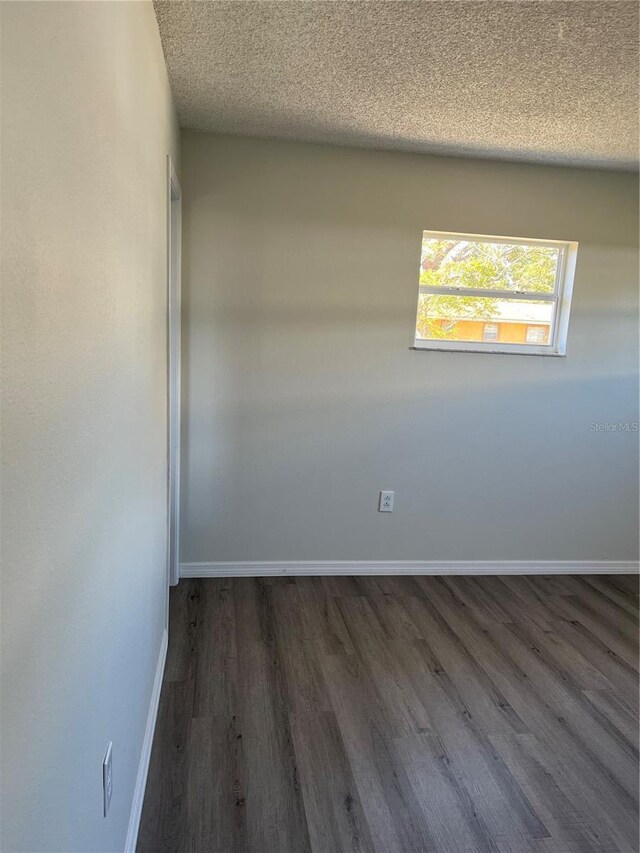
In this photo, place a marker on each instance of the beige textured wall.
(87, 122)
(303, 399)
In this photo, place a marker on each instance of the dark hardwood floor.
(398, 714)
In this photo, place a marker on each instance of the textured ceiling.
(531, 80)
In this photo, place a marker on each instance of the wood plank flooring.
(458, 714)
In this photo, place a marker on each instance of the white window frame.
(560, 297)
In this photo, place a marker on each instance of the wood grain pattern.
(398, 715)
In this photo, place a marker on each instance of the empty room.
(319, 440)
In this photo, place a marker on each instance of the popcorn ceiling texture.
(543, 81)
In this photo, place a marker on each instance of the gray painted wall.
(302, 398)
(87, 122)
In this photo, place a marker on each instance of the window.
(537, 334)
(494, 294)
(490, 332)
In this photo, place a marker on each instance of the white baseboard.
(408, 567)
(145, 755)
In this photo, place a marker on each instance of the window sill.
(488, 351)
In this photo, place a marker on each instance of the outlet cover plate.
(386, 501)
(107, 778)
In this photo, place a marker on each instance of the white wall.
(87, 122)
(303, 398)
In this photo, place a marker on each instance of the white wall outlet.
(107, 778)
(386, 501)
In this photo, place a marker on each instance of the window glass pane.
(472, 318)
(491, 266)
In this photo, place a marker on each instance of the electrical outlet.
(107, 778)
(386, 501)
